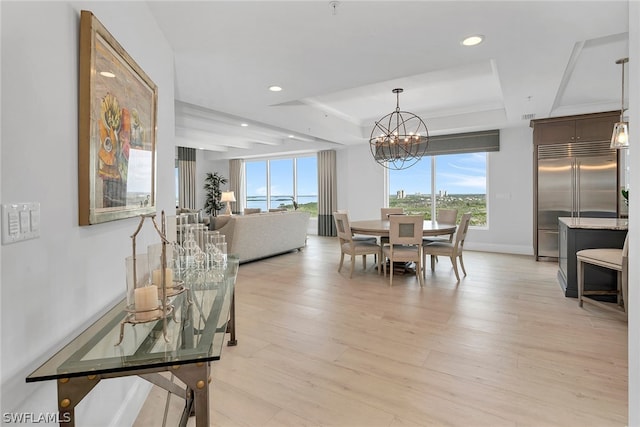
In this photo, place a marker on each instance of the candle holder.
(174, 284)
(147, 281)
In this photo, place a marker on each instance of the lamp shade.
(620, 137)
(228, 196)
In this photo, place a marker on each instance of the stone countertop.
(596, 223)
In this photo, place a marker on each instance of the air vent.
(528, 116)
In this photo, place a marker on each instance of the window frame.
(268, 180)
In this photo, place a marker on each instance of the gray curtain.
(187, 177)
(236, 183)
(327, 192)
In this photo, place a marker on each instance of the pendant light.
(399, 139)
(620, 136)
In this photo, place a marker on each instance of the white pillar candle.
(146, 300)
(156, 277)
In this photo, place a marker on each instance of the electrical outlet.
(20, 221)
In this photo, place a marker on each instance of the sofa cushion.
(216, 222)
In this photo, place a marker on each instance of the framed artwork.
(117, 109)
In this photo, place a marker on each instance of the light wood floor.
(503, 347)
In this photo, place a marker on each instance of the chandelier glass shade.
(620, 136)
(399, 139)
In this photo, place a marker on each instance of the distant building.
(442, 193)
(400, 194)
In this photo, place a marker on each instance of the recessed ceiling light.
(473, 40)
(244, 125)
(275, 88)
(291, 136)
(107, 74)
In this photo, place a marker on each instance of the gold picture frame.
(117, 113)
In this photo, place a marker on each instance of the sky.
(282, 177)
(456, 174)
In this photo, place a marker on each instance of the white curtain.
(237, 183)
(187, 177)
(327, 192)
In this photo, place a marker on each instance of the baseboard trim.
(132, 404)
(504, 249)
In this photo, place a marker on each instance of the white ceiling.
(338, 66)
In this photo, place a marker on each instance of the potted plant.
(212, 184)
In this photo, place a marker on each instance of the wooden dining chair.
(359, 237)
(405, 243)
(443, 216)
(451, 249)
(353, 247)
(613, 259)
(384, 215)
(386, 212)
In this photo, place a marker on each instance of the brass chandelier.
(399, 139)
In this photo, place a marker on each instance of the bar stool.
(613, 259)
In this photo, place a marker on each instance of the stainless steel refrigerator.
(573, 180)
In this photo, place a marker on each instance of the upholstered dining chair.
(405, 243)
(384, 215)
(385, 212)
(354, 247)
(446, 216)
(443, 216)
(451, 249)
(613, 259)
(360, 238)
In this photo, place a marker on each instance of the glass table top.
(195, 332)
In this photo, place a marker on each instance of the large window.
(439, 182)
(256, 185)
(281, 183)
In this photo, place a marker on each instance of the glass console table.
(195, 333)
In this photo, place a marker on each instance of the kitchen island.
(576, 234)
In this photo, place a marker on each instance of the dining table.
(380, 227)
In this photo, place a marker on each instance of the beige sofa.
(261, 235)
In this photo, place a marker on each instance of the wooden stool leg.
(580, 282)
(619, 286)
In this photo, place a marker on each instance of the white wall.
(634, 213)
(510, 192)
(361, 182)
(54, 285)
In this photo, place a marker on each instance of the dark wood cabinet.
(556, 132)
(597, 128)
(581, 128)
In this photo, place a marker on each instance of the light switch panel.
(20, 221)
